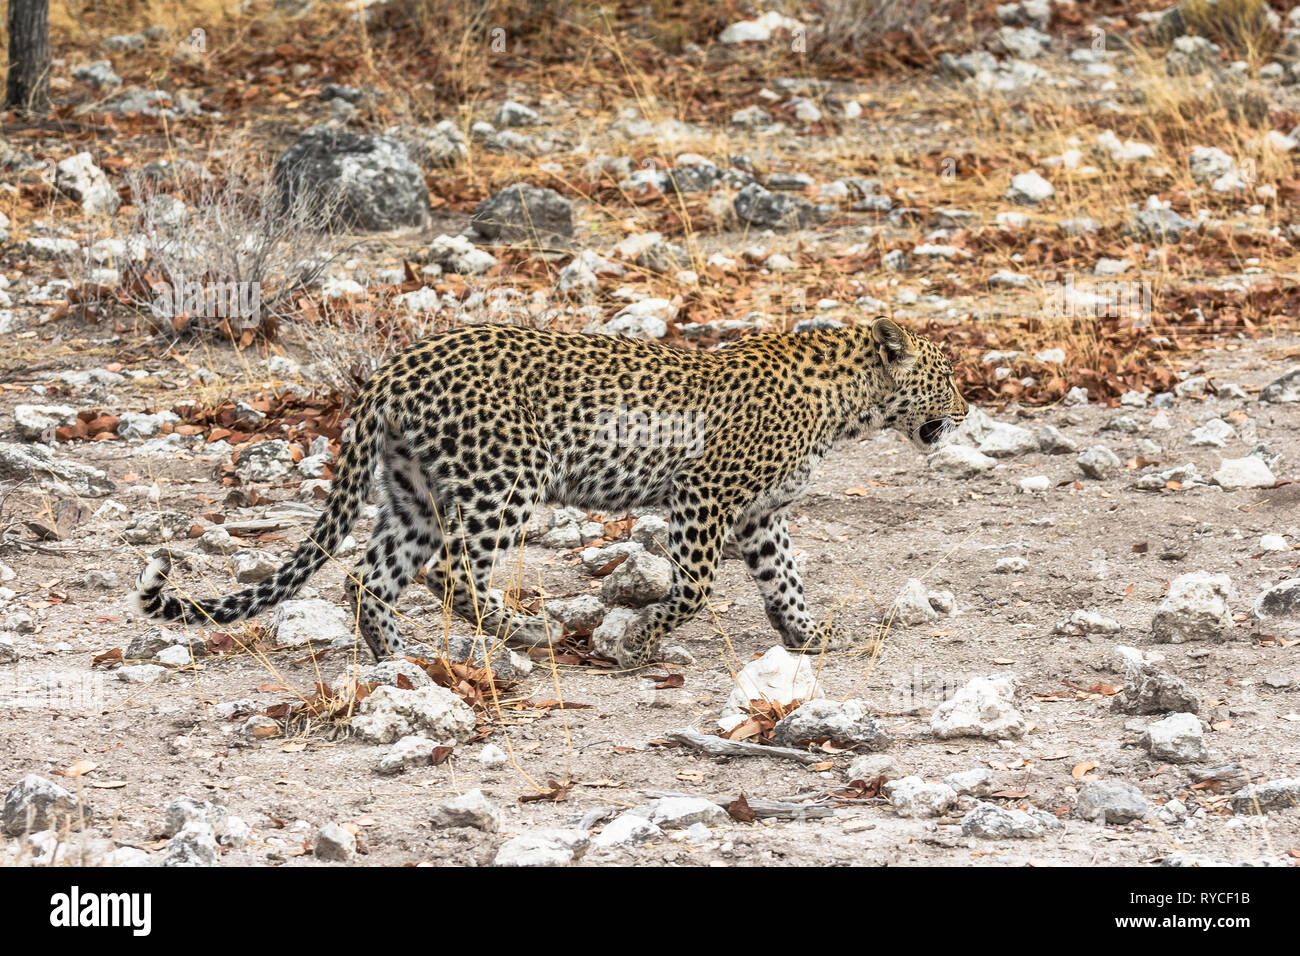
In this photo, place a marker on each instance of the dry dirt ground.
(946, 151)
(155, 742)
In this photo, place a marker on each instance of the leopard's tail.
(347, 495)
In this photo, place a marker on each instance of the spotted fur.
(465, 433)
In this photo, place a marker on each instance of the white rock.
(1087, 622)
(310, 619)
(982, 708)
(1273, 543)
(1216, 433)
(778, 676)
(390, 713)
(1248, 472)
(1006, 441)
(1034, 483)
(34, 420)
(627, 829)
(80, 178)
(960, 460)
(1030, 189)
(542, 848)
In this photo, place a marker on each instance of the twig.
(721, 747)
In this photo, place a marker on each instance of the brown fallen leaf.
(740, 810)
(558, 793)
(1082, 768)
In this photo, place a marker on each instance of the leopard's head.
(921, 398)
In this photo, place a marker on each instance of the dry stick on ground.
(721, 747)
(763, 809)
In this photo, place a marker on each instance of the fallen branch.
(763, 809)
(721, 747)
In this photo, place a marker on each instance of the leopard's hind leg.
(404, 539)
(481, 519)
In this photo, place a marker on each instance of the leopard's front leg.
(764, 540)
(695, 536)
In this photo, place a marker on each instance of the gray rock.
(1158, 225)
(1262, 797)
(763, 209)
(99, 74)
(678, 813)
(1149, 690)
(524, 213)
(470, 809)
(1283, 389)
(582, 612)
(186, 810)
(870, 766)
(155, 527)
(915, 797)
(159, 104)
(306, 620)
(1087, 622)
(1055, 442)
(264, 461)
(414, 750)
(991, 822)
(194, 844)
(1176, 739)
(250, 566)
(1099, 462)
(845, 722)
(333, 844)
(1111, 801)
(359, 183)
(1197, 608)
(641, 579)
(1278, 608)
(34, 804)
(976, 783)
(1190, 56)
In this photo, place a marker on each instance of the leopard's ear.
(892, 343)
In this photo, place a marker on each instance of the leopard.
(462, 435)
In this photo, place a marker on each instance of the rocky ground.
(1075, 627)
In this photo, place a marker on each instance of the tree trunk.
(28, 86)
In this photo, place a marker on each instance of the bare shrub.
(201, 254)
(855, 29)
(1247, 28)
